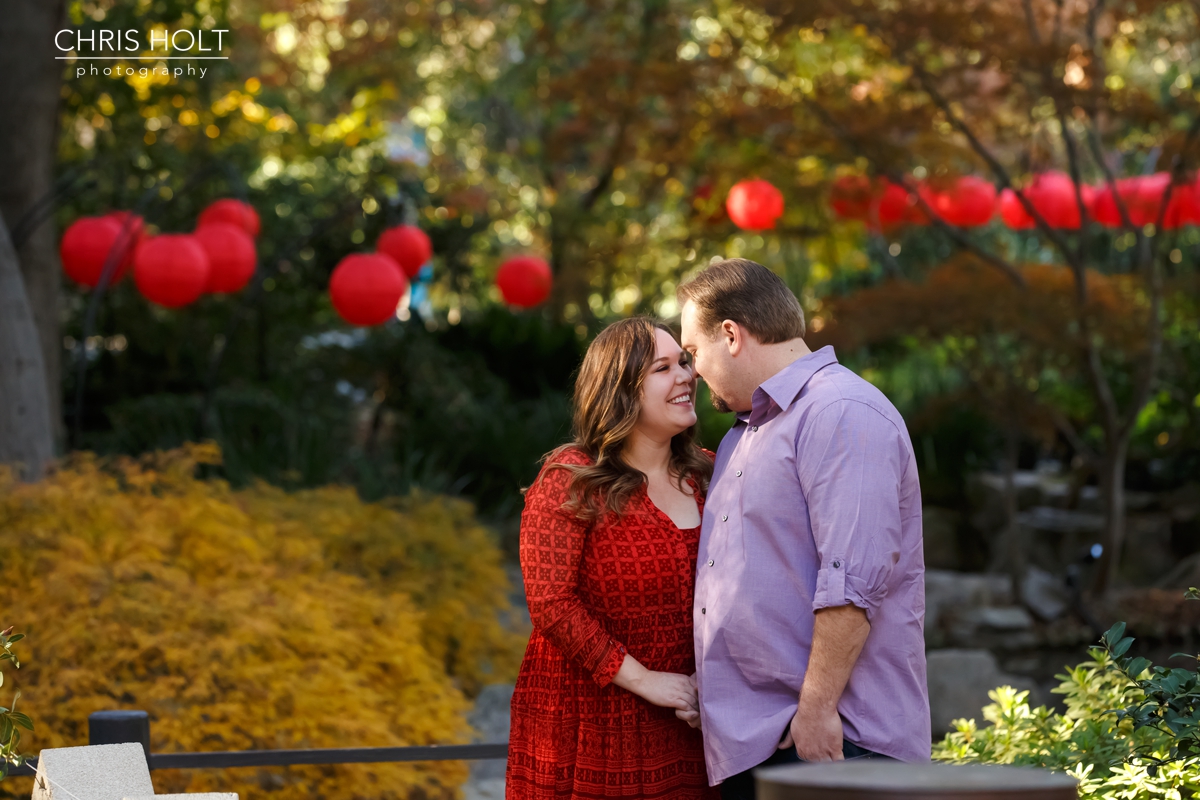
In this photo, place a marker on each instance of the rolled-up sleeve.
(849, 462)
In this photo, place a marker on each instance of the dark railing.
(117, 727)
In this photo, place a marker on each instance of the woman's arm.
(552, 543)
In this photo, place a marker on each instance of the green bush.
(1095, 740)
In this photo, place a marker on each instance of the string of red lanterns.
(971, 202)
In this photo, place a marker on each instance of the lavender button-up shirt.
(814, 503)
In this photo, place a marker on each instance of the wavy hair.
(607, 405)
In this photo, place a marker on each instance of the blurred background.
(989, 209)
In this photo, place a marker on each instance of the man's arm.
(838, 637)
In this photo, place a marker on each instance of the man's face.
(710, 356)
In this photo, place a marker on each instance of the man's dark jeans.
(741, 786)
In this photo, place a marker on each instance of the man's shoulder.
(837, 390)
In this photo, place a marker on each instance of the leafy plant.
(1167, 700)
(11, 720)
(253, 619)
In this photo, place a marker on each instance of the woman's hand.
(666, 689)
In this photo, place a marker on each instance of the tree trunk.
(26, 436)
(1016, 555)
(30, 84)
(1112, 488)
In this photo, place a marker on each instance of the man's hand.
(692, 716)
(838, 637)
(817, 736)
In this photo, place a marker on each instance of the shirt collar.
(785, 386)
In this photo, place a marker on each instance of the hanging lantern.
(85, 247)
(968, 202)
(850, 196)
(754, 205)
(233, 212)
(1013, 213)
(366, 288)
(133, 231)
(1184, 208)
(1143, 196)
(1052, 194)
(895, 205)
(171, 270)
(524, 281)
(232, 256)
(408, 246)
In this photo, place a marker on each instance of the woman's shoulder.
(569, 454)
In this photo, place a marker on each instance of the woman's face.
(668, 392)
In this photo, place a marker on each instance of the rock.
(96, 772)
(1061, 520)
(949, 594)
(491, 719)
(1044, 594)
(959, 682)
(1003, 618)
(940, 536)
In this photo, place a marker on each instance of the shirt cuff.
(835, 587)
(609, 665)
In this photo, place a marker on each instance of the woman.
(608, 551)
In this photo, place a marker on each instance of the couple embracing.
(698, 616)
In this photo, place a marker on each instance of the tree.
(1012, 88)
(29, 82)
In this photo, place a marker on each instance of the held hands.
(816, 735)
(665, 689)
(691, 716)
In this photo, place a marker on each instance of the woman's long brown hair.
(608, 403)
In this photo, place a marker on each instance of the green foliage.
(11, 720)
(1115, 735)
(1169, 701)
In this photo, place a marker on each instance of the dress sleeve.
(850, 465)
(551, 548)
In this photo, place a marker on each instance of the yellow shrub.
(251, 619)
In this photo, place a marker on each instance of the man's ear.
(734, 336)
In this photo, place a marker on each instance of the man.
(810, 594)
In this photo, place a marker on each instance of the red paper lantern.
(1052, 194)
(85, 247)
(408, 246)
(133, 232)
(754, 205)
(850, 196)
(231, 256)
(233, 212)
(1143, 196)
(171, 270)
(524, 281)
(366, 288)
(895, 205)
(968, 202)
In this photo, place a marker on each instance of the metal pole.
(118, 727)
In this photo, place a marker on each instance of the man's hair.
(747, 293)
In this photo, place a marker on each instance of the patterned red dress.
(596, 591)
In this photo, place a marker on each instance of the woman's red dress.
(596, 591)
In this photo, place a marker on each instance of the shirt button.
(724, 517)
(837, 565)
(754, 428)
(738, 473)
(710, 563)
(704, 611)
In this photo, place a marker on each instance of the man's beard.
(718, 402)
